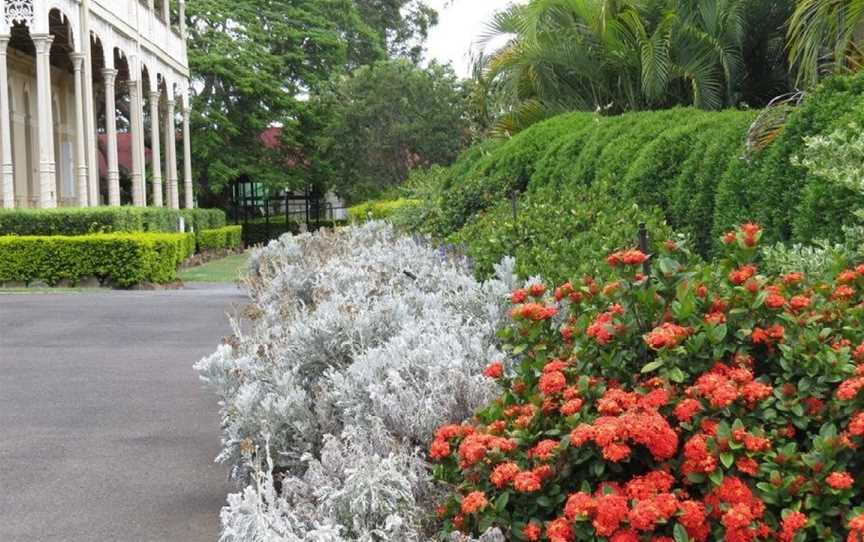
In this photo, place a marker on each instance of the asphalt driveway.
(106, 433)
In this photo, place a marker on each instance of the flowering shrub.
(361, 342)
(708, 402)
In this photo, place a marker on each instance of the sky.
(460, 24)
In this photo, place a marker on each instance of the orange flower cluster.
(748, 233)
(494, 370)
(751, 434)
(724, 385)
(666, 335)
(533, 311)
(627, 257)
(770, 336)
(621, 513)
(850, 388)
(742, 274)
(475, 446)
(839, 480)
(630, 419)
(604, 328)
(740, 512)
(474, 502)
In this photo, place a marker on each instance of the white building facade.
(74, 73)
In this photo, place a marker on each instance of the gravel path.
(107, 434)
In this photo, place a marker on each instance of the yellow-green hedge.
(378, 209)
(220, 238)
(119, 259)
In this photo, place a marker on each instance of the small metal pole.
(308, 195)
(643, 246)
(514, 203)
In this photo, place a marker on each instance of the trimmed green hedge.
(121, 259)
(559, 235)
(88, 220)
(228, 237)
(378, 209)
(683, 165)
(203, 219)
(783, 197)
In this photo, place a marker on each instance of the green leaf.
(676, 375)
(680, 533)
(653, 366)
(718, 333)
(716, 477)
(501, 501)
(727, 459)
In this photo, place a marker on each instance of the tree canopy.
(620, 55)
(256, 62)
(384, 119)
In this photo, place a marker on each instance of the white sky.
(460, 23)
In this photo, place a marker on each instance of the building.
(64, 64)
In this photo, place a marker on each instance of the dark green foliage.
(644, 157)
(257, 232)
(686, 164)
(82, 221)
(384, 119)
(118, 259)
(693, 191)
(561, 236)
(770, 190)
(227, 237)
(614, 57)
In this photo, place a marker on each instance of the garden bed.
(672, 401)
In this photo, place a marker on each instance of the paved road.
(106, 434)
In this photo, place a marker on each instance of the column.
(111, 133)
(44, 104)
(171, 155)
(189, 195)
(89, 109)
(182, 7)
(166, 11)
(142, 143)
(80, 132)
(155, 143)
(6, 168)
(135, 108)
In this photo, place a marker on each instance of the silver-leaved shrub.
(357, 344)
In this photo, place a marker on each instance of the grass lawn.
(224, 270)
(49, 290)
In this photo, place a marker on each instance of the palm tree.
(616, 55)
(825, 36)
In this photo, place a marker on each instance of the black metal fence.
(265, 216)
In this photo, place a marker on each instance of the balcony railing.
(137, 17)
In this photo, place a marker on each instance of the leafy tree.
(385, 119)
(618, 55)
(825, 36)
(255, 62)
(402, 25)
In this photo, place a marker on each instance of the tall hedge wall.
(689, 165)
